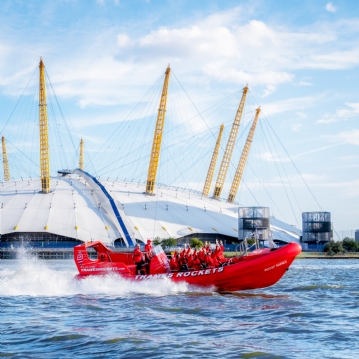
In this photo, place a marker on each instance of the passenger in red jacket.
(221, 247)
(173, 263)
(188, 251)
(183, 260)
(196, 263)
(148, 251)
(209, 261)
(220, 255)
(138, 258)
(202, 255)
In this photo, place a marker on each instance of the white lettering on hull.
(103, 269)
(275, 266)
(180, 274)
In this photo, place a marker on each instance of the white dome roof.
(90, 209)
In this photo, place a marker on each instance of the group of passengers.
(183, 260)
(196, 259)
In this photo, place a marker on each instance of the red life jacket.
(137, 255)
(202, 256)
(196, 264)
(148, 250)
(188, 252)
(190, 261)
(209, 261)
(173, 264)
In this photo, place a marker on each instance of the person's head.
(149, 241)
(138, 245)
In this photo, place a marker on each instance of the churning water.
(313, 312)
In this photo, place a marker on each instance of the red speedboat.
(260, 268)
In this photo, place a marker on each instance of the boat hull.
(259, 270)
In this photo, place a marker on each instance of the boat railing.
(244, 247)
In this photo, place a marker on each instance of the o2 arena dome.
(77, 206)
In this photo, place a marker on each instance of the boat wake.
(29, 276)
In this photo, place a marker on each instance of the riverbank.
(323, 255)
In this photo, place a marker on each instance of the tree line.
(337, 247)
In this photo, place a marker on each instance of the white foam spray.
(30, 276)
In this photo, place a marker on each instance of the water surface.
(313, 312)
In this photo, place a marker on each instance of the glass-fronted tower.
(251, 218)
(317, 227)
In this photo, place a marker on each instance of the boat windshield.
(157, 250)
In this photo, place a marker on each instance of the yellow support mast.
(5, 161)
(243, 160)
(229, 148)
(82, 158)
(157, 138)
(44, 133)
(212, 166)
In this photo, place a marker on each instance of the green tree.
(195, 243)
(157, 241)
(333, 248)
(168, 242)
(350, 245)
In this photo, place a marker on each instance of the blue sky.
(299, 58)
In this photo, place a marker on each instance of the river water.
(312, 312)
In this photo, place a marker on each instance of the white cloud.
(330, 7)
(344, 114)
(223, 48)
(301, 114)
(123, 40)
(296, 126)
(346, 137)
(315, 150)
(270, 157)
(304, 83)
(292, 104)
